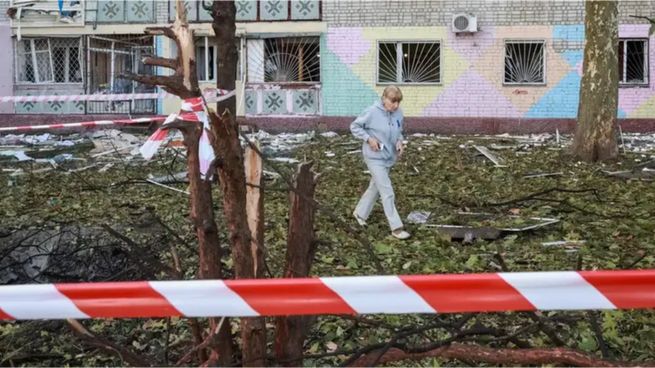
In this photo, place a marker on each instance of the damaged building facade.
(459, 63)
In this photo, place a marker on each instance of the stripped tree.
(247, 264)
(184, 83)
(595, 134)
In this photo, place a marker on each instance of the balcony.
(122, 11)
(255, 11)
(45, 13)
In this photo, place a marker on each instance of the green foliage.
(435, 175)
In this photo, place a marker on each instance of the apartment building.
(303, 59)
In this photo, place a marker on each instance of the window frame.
(205, 63)
(544, 61)
(399, 66)
(262, 55)
(32, 54)
(645, 42)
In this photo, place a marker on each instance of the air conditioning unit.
(464, 23)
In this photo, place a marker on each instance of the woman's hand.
(400, 148)
(374, 144)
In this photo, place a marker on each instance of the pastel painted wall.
(639, 102)
(472, 71)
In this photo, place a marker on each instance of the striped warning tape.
(454, 293)
(91, 124)
(83, 124)
(210, 94)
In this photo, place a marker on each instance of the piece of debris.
(167, 187)
(286, 160)
(177, 178)
(542, 175)
(486, 232)
(644, 171)
(19, 155)
(330, 154)
(569, 246)
(329, 134)
(467, 233)
(418, 217)
(498, 162)
(563, 243)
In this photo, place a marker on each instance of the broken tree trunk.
(255, 207)
(232, 176)
(184, 83)
(301, 247)
(595, 133)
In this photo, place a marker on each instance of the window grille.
(409, 62)
(284, 60)
(49, 60)
(112, 56)
(524, 62)
(633, 61)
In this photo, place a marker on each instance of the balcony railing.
(255, 10)
(123, 11)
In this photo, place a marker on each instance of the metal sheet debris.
(498, 161)
(418, 217)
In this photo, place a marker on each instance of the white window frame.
(399, 65)
(205, 62)
(543, 56)
(624, 67)
(35, 66)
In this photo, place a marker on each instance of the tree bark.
(255, 208)
(595, 134)
(232, 176)
(301, 246)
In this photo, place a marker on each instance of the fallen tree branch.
(472, 354)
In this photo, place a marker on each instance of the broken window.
(524, 62)
(110, 57)
(288, 59)
(633, 61)
(113, 56)
(205, 59)
(49, 60)
(409, 62)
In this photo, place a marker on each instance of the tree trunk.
(232, 176)
(184, 83)
(595, 134)
(301, 247)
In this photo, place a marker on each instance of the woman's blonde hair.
(393, 93)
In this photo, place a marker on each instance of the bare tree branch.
(471, 354)
(160, 61)
(106, 345)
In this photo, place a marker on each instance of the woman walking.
(380, 127)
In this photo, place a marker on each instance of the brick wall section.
(376, 13)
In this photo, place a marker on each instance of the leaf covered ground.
(116, 226)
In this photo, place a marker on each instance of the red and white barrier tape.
(210, 94)
(192, 110)
(84, 124)
(90, 124)
(453, 293)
